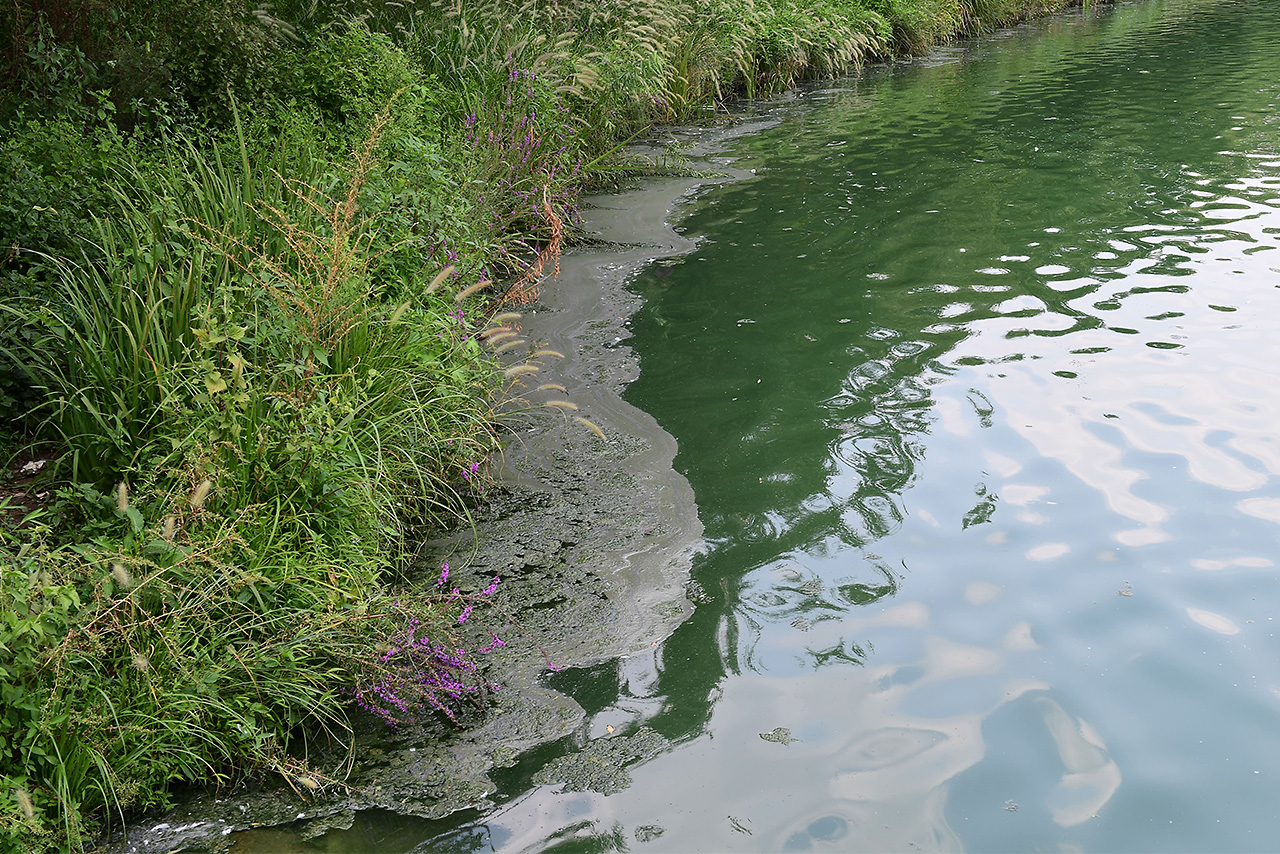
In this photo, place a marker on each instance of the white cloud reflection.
(873, 763)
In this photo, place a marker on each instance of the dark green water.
(978, 386)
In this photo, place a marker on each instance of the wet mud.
(593, 540)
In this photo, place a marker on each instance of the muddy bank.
(593, 541)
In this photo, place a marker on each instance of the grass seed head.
(24, 803)
(439, 279)
(590, 426)
(497, 335)
(513, 343)
(122, 576)
(201, 494)
(466, 292)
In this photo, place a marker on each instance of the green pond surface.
(977, 383)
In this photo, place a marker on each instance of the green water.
(977, 383)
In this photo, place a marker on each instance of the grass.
(248, 435)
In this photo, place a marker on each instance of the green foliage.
(224, 316)
(122, 318)
(134, 660)
(343, 77)
(35, 614)
(183, 54)
(917, 24)
(253, 431)
(53, 171)
(150, 654)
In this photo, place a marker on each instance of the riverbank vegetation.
(251, 264)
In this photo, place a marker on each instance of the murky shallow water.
(978, 387)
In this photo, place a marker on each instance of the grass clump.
(249, 434)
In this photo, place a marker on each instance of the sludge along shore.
(593, 541)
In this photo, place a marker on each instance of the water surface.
(976, 383)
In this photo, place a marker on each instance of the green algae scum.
(975, 384)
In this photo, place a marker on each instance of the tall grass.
(252, 434)
(624, 65)
(126, 318)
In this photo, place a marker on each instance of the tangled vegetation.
(248, 349)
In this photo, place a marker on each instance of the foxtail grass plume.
(24, 803)
(122, 496)
(466, 292)
(439, 279)
(514, 342)
(520, 371)
(561, 404)
(590, 426)
(237, 369)
(170, 526)
(497, 335)
(122, 576)
(201, 494)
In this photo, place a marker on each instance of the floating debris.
(600, 766)
(778, 735)
(649, 832)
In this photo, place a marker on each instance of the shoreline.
(593, 540)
